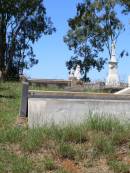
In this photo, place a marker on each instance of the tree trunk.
(85, 75)
(2, 44)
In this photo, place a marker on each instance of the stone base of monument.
(62, 108)
(125, 91)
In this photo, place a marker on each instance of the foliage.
(103, 145)
(103, 123)
(49, 164)
(9, 162)
(22, 23)
(66, 151)
(95, 25)
(119, 167)
(33, 140)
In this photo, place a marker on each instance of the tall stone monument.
(113, 78)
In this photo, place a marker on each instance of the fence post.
(23, 113)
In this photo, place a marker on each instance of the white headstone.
(77, 73)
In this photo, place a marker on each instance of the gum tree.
(22, 23)
(95, 26)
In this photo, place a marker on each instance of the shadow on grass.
(7, 96)
(3, 88)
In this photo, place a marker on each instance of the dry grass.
(99, 145)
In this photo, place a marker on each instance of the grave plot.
(62, 108)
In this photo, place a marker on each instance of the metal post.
(24, 101)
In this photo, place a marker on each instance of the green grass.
(12, 163)
(11, 135)
(49, 164)
(103, 144)
(119, 167)
(103, 123)
(33, 140)
(44, 149)
(66, 151)
(49, 88)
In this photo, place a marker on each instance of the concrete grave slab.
(45, 108)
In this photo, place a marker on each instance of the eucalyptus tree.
(95, 26)
(22, 23)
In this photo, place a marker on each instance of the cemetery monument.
(77, 73)
(113, 77)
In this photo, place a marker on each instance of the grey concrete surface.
(42, 111)
(76, 95)
(125, 91)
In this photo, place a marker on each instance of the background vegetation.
(101, 144)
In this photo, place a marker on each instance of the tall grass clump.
(103, 144)
(75, 134)
(33, 140)
(70, 133)
(119, 167)
(104, 123)
(10, 162)
(66, 151)
(12, 135)
(49, 164)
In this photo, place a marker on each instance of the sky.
(52, 52)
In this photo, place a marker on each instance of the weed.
(49, 164)
(70, 133)
(66, 151)
(118, 166)
(120, 137)
(12, 163)
(33, 140)
(103, 144)
(76, 134)
(13, 135)
(106, 124)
